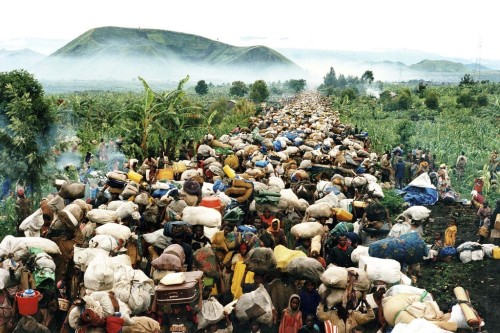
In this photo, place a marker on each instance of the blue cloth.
(246, 228)
(448, 251)
(277, 145)
(407, 249)
(261, 164)
(219, 186)
(159, 193)
(309, 303)
(290, 136)
(400, 170)
(360, 170)
(420, 196)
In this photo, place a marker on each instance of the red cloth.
(114, 324)
(267, 220)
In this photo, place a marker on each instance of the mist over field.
(109, 68)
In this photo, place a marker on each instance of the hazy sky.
(454, 28)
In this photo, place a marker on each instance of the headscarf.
(289, 308)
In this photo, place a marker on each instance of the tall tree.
(238, 89)
(201, 88)
(259, 92)
(467, 80)
(330, 79)
(296, 85)
(367, 76)
(27, 126)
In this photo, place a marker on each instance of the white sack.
(102, 216)
(318, 210)
(99, 274)
(402, 289)
(258, 298)
(17, 247)
(307, 229)
(336, 277)
(113, 205)
(288, 199)
(83, 256)
(107, 243)
(276, 182)
(359, 251)
(33, 222)
(418, 325)
(115, 230)
(126, 209)
(417, 213)
(157, 239)
(387, 270)
(375, 189)
(200, 215)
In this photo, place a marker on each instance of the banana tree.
(156, 119)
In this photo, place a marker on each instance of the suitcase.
(186, 293)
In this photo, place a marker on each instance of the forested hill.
(113, 52)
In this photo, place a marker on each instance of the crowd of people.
(269, 184)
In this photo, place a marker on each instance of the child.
(436, 247)
(199, 238)
(292, 317)
(450, 235)
(179, 320)
(310, 326)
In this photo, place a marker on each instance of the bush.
(432, 100)
(482, 100)
(393, 202)
(465, 99)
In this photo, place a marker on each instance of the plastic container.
(27, 302)
(211, 202)
(134, 176)
(165, 174)
(496, 253)
(343, 215)
(359, 204)
(229, 171)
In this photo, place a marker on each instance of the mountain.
(125, 53)
(10, 60)
(440, 66)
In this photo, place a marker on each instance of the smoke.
(69, 158)
(370, 91)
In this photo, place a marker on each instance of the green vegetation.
(26, 134)
(445, 120)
